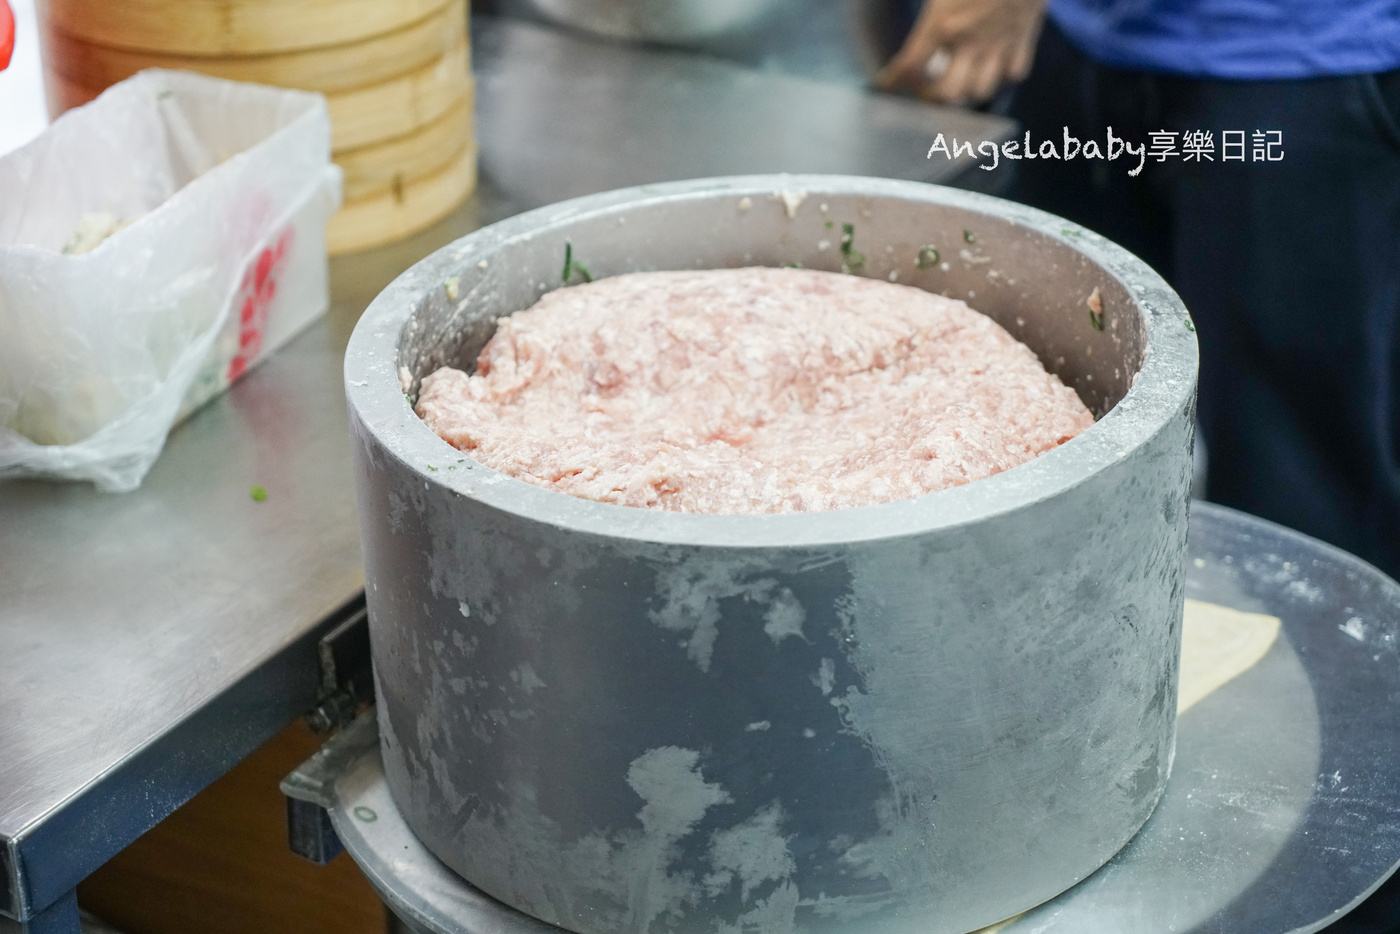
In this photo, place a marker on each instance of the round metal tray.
(1283, 809)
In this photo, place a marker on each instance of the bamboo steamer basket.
(60, 94)
(403, 209)
(232, 27)
(396, 75)
(381, 206)
(375, 169)
(330, 69)
(402, 105)
(359, 117)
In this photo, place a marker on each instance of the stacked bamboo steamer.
(395, 73)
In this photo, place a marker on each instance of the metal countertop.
(153, 639)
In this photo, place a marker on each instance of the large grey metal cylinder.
(923, 716)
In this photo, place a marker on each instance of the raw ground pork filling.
(750, 391)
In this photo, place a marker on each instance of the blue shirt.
(1250, 39)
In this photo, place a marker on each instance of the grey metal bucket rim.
(1164, 384)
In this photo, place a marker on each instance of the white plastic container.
(213, 198)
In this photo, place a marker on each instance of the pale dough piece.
(1218, 644)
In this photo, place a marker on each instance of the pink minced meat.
(750, 391)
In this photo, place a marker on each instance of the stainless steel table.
(151, 640)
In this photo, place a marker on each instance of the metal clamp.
(310, 790)
(346, 675)
(347, 686)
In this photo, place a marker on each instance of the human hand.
(963, 51)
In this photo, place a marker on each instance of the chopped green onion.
(571, 266)
(969, 236)
(259, 493)
(850, 259)
(1095, 303)
(928, 257)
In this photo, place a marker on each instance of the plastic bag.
(201, 204)
(7, 34)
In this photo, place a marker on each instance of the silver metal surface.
(667, 21)
(844, 41)
(153, 639)
(125, 616)
(924, 715)
(830, 40)
(562, 117)
(1283, 809)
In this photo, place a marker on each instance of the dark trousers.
(1291, 270)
